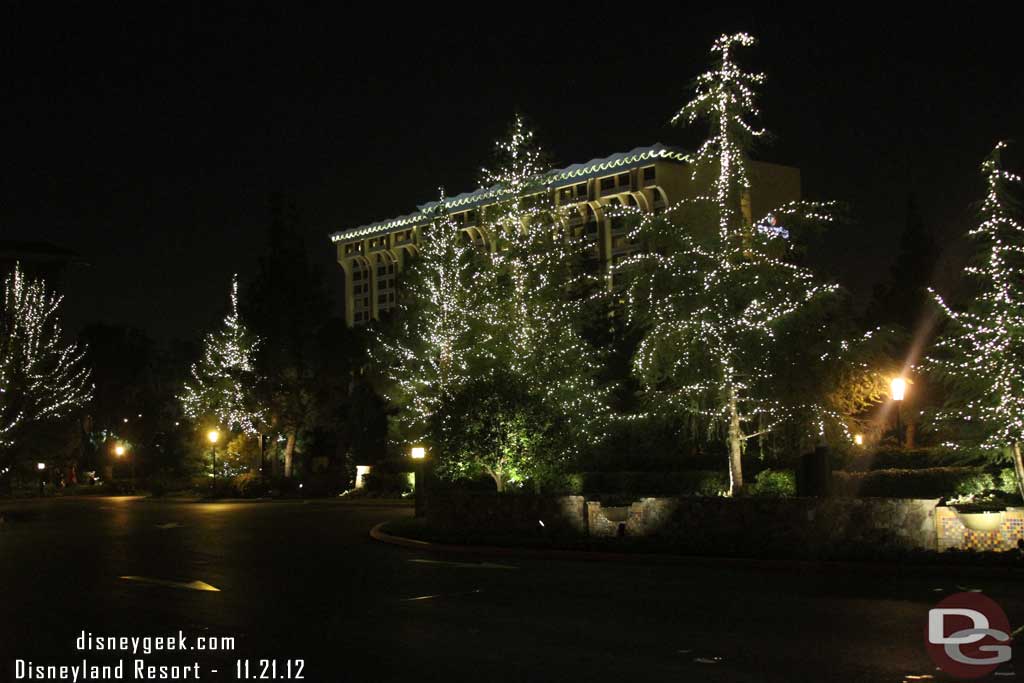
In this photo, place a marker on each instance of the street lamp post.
(419, 455)
(119, 451)
(213, 435)
(898, 388)
(41, 466)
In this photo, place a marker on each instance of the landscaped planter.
(983, 521)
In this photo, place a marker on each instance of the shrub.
(774, 483)
(640, 484)
(975, 485)
(250, 485)
(934, 482)
(912, 459)
(395, 483)
(1007, 481)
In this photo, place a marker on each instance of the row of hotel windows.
(578, 192)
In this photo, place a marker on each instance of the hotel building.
(650, 178)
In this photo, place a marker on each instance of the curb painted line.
(802, 566)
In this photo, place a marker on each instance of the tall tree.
(41, 377)
(222, 385)
(536, 285)
(711, 298)
(428, 350)
(287, 306)
(980, 354)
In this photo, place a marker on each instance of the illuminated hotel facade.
(649, 178)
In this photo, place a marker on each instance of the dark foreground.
(302, 581)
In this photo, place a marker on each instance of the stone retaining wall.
(807, 527)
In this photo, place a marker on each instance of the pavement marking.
(472, 565)
(442, 595)
(168, 525)
(191, 585)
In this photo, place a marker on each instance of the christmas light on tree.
(41, 378)
(427, 353)
(535, 285)
(980, 354)
(711, 300)
(222, 383)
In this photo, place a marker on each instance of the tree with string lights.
(711, 297)
(41, 377)
(427, 351)
(536, 285)
(980, 354)
(222, 383)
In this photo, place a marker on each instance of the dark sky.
(149, 140)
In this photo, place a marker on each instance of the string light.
(711, 305)
(222, 382)
(980, 352)
(41, 378)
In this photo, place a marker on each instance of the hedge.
(934, 482)
(912, 459)
(639, 484)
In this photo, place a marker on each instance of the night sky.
(150, 140)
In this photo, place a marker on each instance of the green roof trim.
(570, 174)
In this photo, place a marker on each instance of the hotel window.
(581, 190)
(607, 184)
(649, 174)
(623, 179)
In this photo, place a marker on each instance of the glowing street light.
(858, 439)
(119, 450)
(212, 436)
(898, 388)
(40, 466)
(419, 454)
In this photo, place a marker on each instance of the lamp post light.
(898, 389)
(41, 466)
(419, 455)
(120, 451)
(213, 435)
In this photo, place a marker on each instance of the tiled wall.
(953, 534)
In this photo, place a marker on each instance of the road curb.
(798, 566)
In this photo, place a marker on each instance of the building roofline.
(570, 174)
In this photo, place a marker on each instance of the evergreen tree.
(980, 355)
(428, 350)
(288, 307)
(903, 297)
(711, 298)
(536, 286)
(41, 378)
(222, 384)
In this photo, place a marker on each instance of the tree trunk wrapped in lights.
(710, 298)
(41, 378)
(980, 354)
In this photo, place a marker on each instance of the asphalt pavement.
(298, 587)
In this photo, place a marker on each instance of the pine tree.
(980, 355)
(41, 377)
(428, 349)
(536, 285)
(711, 298)
(222, 385)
